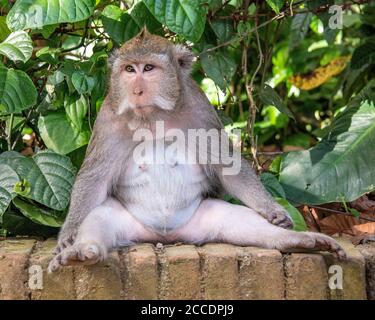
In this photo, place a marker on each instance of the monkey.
(117, 200)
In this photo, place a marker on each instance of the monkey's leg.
(217, 220)
(106, 227)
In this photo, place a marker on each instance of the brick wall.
(213, 271)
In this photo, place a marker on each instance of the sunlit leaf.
(17, 47)
(35, 14)
(186, 18)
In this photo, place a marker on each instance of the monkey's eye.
(148, 67)
(129, 68)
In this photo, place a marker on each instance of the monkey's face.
(143, 85)
(147, 74)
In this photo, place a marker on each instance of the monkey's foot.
(77, 254)
(280, 219)
(65, 240)
(322, 242)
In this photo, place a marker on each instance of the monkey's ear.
(184, 57)
(143, 33)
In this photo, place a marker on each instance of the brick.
(180, 264)
(353, 271)
(258, 267)
(141, 273)
(368, 252)
(306, 277)
(56, 286)
(14, 256)
(101, 281)
(219, 271)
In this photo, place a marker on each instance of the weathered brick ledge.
(213, 271)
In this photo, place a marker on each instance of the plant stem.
(9, 134)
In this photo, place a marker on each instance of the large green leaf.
(35, 14)
(270, 97)
(38, 215)
(219, 66)
(49, 174)
(17, 91)
(187, 18)
(8, 179)
(60, 134)
(119, 24)
(340, 166)
(143, 17)
(17, 47)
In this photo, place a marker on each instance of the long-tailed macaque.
(119, 198)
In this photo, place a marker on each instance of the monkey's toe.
(325, 243)
(282, 220)
(85, 254)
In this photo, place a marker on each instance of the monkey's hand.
(66, 238)
(279, 217)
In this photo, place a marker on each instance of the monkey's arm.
(247, 187)
(94, 180)
(89, 191)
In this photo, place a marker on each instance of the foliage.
(276, 69)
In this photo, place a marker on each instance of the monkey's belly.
(162, 196)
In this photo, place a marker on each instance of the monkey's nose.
(138, 91)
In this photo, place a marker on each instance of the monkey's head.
(147, 72)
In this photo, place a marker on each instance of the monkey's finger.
(282, 221)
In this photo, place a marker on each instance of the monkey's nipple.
(142, 167)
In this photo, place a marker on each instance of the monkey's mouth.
(142, 110)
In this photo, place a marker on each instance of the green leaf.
(60, 134)
(276, 5)
(275, 165)
(143, 17)
(48, 54)
(300, 26)
(76, 109)
(355, 212)
(50, 175)
(82, 82)
(219, 66)
(22, 226)
(4, 30)
(8, 179)
(119, 24)
(17, 91)
(364, 54)
(223, 29)
(38, 215)
(186, 18)
(299, 223)
(270, 97)
(35, 14)
(339, 166)
(272, 184)
(17, 47)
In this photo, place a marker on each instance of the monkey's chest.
(162, 189)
